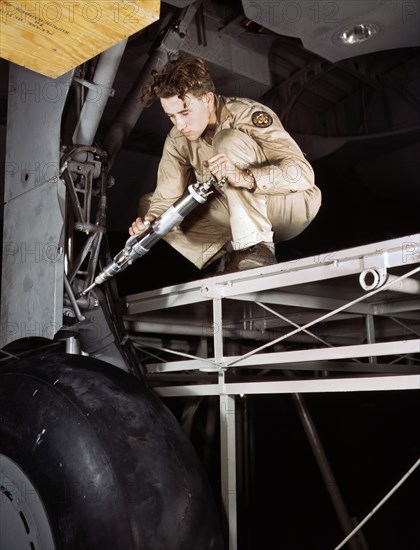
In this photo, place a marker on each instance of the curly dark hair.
(178, 78)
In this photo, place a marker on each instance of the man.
(270, 194)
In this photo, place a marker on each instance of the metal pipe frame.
(276, 285)
(273, 285)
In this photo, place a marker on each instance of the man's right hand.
(139, 225)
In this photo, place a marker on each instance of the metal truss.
(313, 325)
(337, 312)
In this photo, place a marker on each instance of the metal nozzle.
(85, 291)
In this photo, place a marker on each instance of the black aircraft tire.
(102, 457)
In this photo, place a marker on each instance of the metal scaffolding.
(349, 320)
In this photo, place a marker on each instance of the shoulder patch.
(261, 119)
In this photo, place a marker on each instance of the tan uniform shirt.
(285, 170)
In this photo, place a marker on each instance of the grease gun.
(138, 245)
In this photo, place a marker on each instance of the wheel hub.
(23, 521)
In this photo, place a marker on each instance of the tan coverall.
(252, 137)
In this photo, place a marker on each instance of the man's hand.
(220, 166)
(139, 225)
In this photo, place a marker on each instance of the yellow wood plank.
(53, 36)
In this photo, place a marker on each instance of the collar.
(222, 112)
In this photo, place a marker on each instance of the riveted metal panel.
(32, 267)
